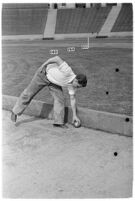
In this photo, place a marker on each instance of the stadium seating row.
(28, 20)
(89, 20)
(125, 20)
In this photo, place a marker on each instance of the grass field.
(108, 89)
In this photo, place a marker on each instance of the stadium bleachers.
(30, 19)
(124, 21)
(88, 20)
(22, 19)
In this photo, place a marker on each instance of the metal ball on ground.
(77, 124)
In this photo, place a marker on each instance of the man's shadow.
(26, 121)
(46, 113)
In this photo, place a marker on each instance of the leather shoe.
(60, 125)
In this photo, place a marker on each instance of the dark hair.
(82, 79)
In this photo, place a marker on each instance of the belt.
(43, 70)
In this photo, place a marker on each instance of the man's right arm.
(74, 109)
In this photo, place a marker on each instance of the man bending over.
(55, 74)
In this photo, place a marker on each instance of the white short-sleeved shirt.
(61, 75)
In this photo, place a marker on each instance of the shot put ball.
(77, 124)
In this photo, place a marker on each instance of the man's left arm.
(74, 108)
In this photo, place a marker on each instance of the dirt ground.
(40, 161)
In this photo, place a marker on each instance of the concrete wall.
(112, 123)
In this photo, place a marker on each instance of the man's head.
(80, 81)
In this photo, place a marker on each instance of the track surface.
(42, 162)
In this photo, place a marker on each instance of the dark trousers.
(37, 83)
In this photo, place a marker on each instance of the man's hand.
(76, 119)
